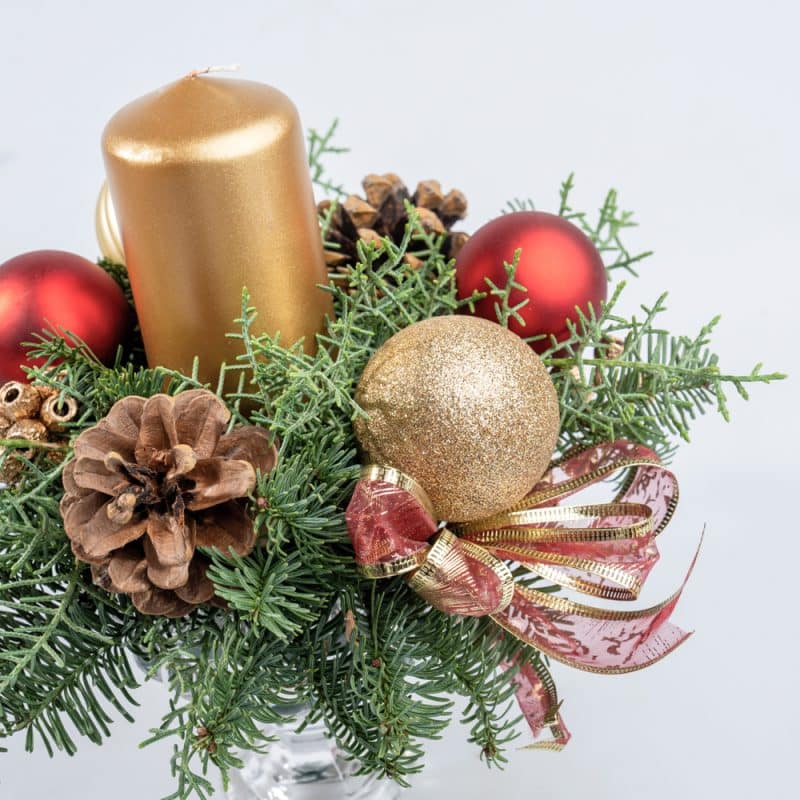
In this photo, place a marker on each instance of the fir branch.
(120, 274)
(61, 640)
(62, 653)
(239, 682)
(276, 594)
(376, 690)
(473, 653)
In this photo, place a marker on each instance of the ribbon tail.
(594, 639)
(538, 701)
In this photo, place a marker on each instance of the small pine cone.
(412, 261)
(383, 214)
(589, 396)
(29, 429)
(613, 348)
(153, 481)
(392, 215)
(10, 467)
(46, 391)
(370, 237)
(342, 236)
(429, 220)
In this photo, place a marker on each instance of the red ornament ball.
(60, 292)
(559, 266)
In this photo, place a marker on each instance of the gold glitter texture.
(466, 408)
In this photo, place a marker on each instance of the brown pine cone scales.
(153, 481)
(382, 213)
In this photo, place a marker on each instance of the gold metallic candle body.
(211, 187)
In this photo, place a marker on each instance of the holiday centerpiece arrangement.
(324, 463)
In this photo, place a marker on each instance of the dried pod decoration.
(30, 413)
(613, 348)
(55, 412)
(153, 481)
(19, 401)
(382, 213)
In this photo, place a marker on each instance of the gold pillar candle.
(212, 192)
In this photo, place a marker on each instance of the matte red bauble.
(61, 292)
(559, 267)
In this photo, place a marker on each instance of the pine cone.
(383, 213)
(153, 481)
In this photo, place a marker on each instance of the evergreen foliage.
(371, 659)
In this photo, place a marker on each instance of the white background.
(690, 109)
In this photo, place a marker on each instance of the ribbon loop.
(388, 525)
(458, 577)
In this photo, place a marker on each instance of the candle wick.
(216, 68)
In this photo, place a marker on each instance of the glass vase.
(305, 765)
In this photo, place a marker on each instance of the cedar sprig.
(503, 309)
(626, 377)
(621, 377)
(606, 231)
(320, 147)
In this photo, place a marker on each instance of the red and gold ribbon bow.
(600, 549)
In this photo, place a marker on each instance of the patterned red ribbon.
(600, 549)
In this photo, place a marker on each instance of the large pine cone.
(383, 213)
(151, 482)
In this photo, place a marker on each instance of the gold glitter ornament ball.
(466, 408)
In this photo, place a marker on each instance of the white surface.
(690, 109)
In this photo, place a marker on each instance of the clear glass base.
(304, 766)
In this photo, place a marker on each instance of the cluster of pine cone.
(30, 413)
